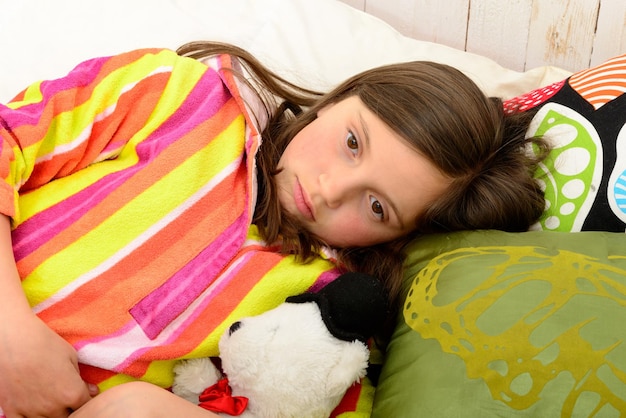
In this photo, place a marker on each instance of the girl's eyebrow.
(390, 203)
(364, 128)
(394, 209)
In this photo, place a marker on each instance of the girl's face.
(352, 181)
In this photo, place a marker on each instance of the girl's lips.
(302, 203)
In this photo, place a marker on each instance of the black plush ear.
(353, 306)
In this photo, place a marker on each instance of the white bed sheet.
(316, 42)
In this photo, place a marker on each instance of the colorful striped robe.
(131, 185)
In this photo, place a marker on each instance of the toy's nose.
(234, 327)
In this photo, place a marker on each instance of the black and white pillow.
(584, 117)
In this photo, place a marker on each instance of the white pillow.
(316, 42)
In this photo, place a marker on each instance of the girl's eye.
(377, 208)
(352, 142)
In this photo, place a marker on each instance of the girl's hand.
(140, 400)
(39, 370)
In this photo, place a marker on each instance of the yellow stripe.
(67, 126)
(287, 275)
(159, 373)
(141, 210)
(291, 277)
(32, 94)
(115, 380)
(365, 402)
(87, 112)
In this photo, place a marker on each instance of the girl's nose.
(336, 188)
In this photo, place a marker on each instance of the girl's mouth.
(302, 202)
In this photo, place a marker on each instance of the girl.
(138, 193)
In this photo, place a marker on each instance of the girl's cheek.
(352, 231)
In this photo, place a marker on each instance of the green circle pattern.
(571, 173)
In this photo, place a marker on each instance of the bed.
(493, 323)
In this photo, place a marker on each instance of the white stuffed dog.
(296, 360)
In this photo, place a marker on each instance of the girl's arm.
(38, 368)
(51, 130)
(140, 400)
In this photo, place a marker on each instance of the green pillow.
(501, 324)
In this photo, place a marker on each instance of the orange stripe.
(165, 163)
(117, 127)
(156, 260)
(599, 93)
(603, 83)
(93, 374)
(69, 99)
(19, 97)
(604, 79)
(214, 314)
(613, 64)
(349, 401)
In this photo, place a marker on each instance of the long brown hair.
(440, 113)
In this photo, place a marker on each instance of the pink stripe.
(84, 74)
(163, 305)
(203, 102)
(215, 290)
(324, 278)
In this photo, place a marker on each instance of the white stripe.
(81, 138)
(111, 353)
(137, 242)
(86, 133)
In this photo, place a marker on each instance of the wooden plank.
(499, 30)
(610, 39)
(428, 20)
(519, 34)
(561, 33)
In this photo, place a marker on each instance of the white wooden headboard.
(518, 34)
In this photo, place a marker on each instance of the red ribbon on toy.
(219, 398)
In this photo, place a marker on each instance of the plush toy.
(296, 360)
